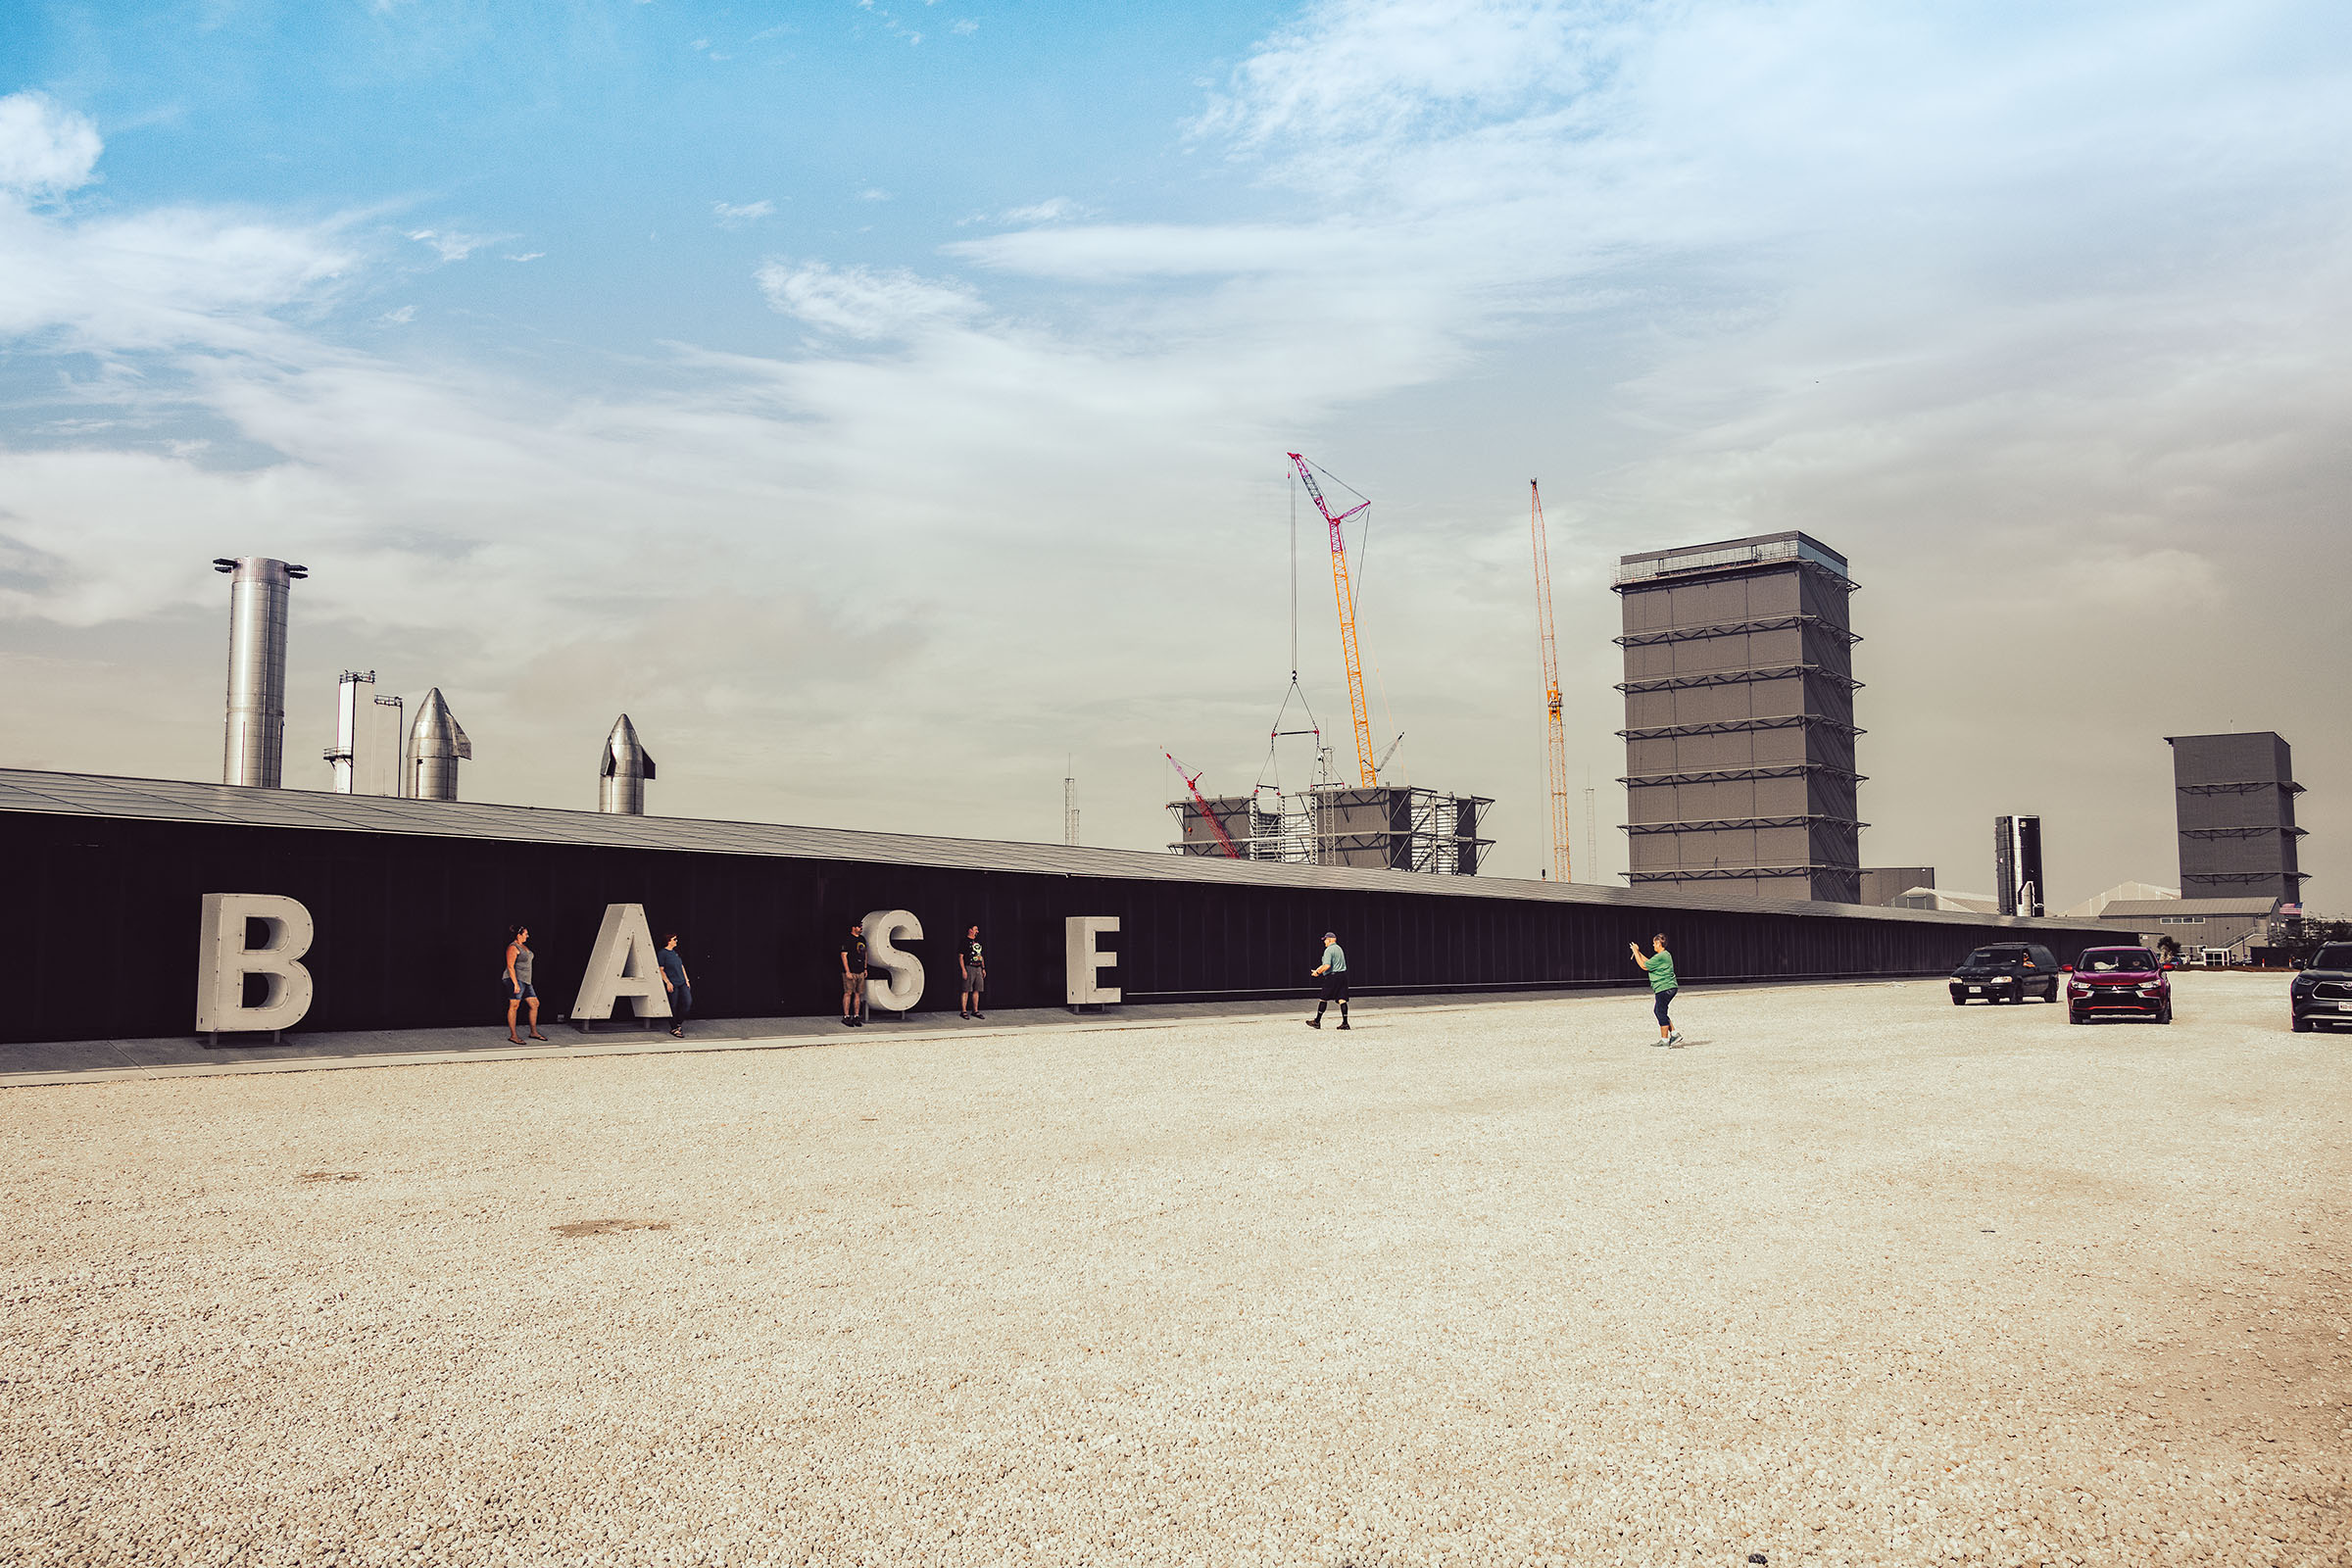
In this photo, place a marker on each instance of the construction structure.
(368, 735)
(2234, 800)
(1396, 827)
(1555, 738)
(2017, 863)
(1739, 719)
(1369, 823)
(254, 747)
(1881, 885)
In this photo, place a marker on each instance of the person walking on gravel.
(675, 981)
(517, 978)
(853, 976)
(1659, 966)
(972, 959)
(1333, 970)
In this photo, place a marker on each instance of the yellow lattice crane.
(1345, 594)
(1555, 738)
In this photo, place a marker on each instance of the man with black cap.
(1333, 970)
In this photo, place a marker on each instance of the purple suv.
(2118, 980)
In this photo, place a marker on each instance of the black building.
(1739, 719)
(411, 901)
(2235, 797)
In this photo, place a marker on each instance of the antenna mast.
(1555, 738)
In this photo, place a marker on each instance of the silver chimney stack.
(253, 753)
(436, 745)
(621, 775)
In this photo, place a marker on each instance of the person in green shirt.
(1334, 973)
(1659, 966)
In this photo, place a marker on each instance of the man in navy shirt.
(674, 981)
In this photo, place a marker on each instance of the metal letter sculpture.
(223, 960)
(905, 987)
(1081, 963)
(622, 964)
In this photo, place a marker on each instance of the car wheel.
(2302, 1025)
(2049, 993)
(2072, 1016)
(2164, 1014)
(1959, 1002)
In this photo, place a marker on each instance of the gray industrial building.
(2235, 797)
(1739, 710)
(1881, 885)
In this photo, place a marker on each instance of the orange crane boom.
(1555, 738)
(1345, 594)
(1191, 783)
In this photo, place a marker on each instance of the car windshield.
(2113, 961)
(1991, 958)
(2334, 956)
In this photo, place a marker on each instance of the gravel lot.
(1857, 1277)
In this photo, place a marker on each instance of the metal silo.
(253, 752)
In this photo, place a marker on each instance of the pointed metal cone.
(626, 756)
(437, 732)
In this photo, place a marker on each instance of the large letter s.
(905, 987)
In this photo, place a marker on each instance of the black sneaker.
(982, 1015)
(1342, 1023)
(848, 1023)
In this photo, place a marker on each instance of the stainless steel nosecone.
(436, 745)
(253, 750)
(622, 771)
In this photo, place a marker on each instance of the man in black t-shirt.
(972, 959)
(853, 976)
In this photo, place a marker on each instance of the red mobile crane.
(1191, 783)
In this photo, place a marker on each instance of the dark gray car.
(2322, 993)
(2006, 971)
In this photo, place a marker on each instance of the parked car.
(2322, 992)
(2008, 971)
(2107, 981)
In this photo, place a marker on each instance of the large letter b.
(223, 960)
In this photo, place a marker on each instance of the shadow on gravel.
(608, 1227)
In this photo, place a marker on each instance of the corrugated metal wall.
(411, 930)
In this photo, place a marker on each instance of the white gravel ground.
(1856, 1278)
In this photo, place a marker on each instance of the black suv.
(2322, 992)
(2007, 972)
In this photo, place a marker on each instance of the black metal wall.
(101, 916)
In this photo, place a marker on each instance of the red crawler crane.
(1191, 783)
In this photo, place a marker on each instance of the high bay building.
(2234, 800)
(1739, 719)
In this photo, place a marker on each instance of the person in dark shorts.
(853, 976)
(1333, 970)
(972, 959)
(1659, 966)
(674, 981)
(518, 981)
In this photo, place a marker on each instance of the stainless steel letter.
(223, 960)
(905, 987)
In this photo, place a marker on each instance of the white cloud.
(861, 302)
(400, 317)
(45, 148)
(873, 193)
(526, 255)
(1053, 210)
(732, 215)
(451, 245)
(963, 28)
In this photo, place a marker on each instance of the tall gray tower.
(254, 751)
(2233, 797)
(1739, 719)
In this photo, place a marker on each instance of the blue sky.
(882, 421)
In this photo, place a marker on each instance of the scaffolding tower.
(1401, 828)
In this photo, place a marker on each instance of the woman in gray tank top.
(518, 977)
